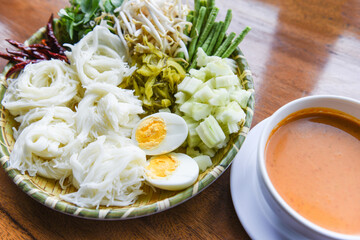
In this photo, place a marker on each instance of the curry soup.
(313, 161)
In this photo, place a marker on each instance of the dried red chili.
(49, 48)
(19, 66)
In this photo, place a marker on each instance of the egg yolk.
(162, 166)
(150, 133)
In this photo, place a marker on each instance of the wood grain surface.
(295, 49)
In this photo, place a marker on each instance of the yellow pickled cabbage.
(155, 80)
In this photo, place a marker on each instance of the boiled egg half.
(160, 133)
(172, 171)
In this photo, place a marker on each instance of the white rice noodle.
(99, 57)
(43, 84)
(106, 108)
(45, 143)
(60, 114)
(109, 171)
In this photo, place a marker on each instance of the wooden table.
(295, 49)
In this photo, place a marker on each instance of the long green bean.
(196, 8)
(224, 29)
(195, 34)
(190, 18)
(235, 43)
(215, 37)
(209, 24)
(208, 40)
(210, 3)
(225, 45)
(193, 65)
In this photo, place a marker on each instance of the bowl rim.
(123, 213)
(272, 122)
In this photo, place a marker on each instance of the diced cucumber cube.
(210, 132)
(203, 161)
(221, 97)
(218, 68)
(203, 59)
(204, 94)
(241, 96)
(180, 97)
(232, 113)
(189, 85)
(200, 111)
(186, 108)
(211, 83)
(223, 143)
(190, 122)
(206, 150)
(199, 74)
(233, 128)
(232, 64)
(226, 81)
(193, 138)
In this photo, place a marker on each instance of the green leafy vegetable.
(81, 17)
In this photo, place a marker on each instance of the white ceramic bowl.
(286, 214)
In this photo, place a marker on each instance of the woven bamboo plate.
(47, 191)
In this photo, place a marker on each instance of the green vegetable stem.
(209, 34)
(235, 43)
(209, 24)
(207, 43)
(225, 45)
(217, 30)
(223, 30)
(195, 31)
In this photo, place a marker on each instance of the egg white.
(176, 133)
(182, 177)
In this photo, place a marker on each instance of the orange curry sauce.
(313, 160)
